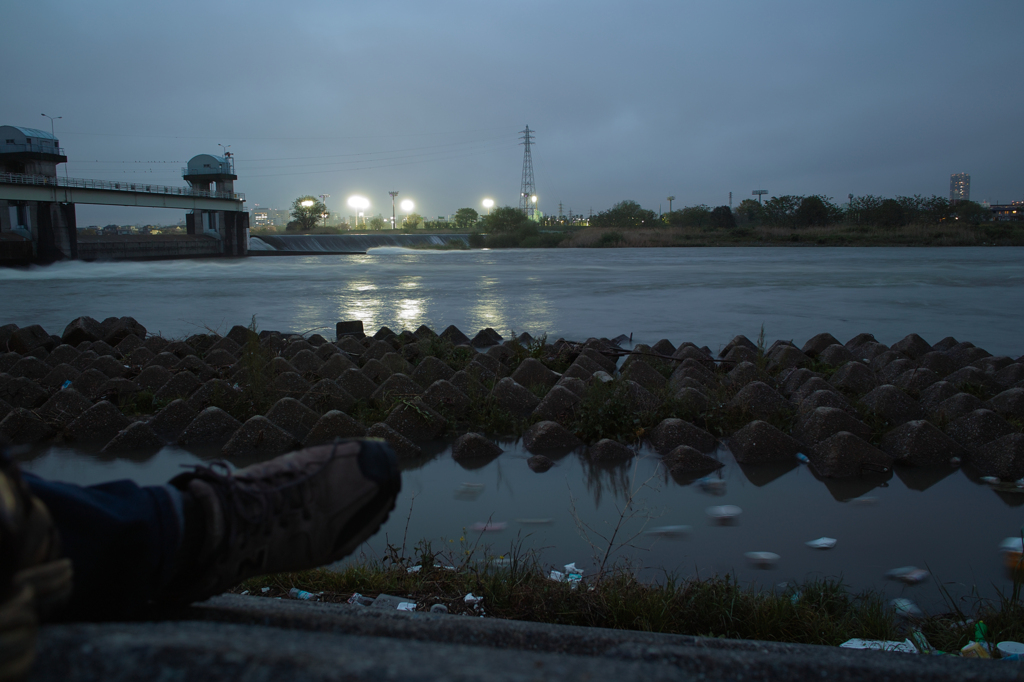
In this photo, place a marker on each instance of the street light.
(393, 193)
(407, 205)
(357, 202)
(323, 200)
(488, 203)
(52, 118)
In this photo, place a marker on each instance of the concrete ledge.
(234, 637)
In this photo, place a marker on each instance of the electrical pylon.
(527, 191)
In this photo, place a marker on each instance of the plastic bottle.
(296, 593)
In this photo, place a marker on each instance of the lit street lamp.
(357, 202)
(407, 207)
(488, 203)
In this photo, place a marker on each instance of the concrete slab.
(254, 638)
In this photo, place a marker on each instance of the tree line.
(794, 211)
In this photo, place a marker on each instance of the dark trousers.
(121, 538)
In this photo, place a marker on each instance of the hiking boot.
(34, 580)
(296, 512)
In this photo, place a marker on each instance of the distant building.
(959, 187)
(1004, 212)
(269, 217)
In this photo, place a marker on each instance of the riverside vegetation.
(781, 221)
(854, 410)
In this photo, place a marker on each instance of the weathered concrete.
(234, 637)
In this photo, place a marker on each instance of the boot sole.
(51, 582)
(18, 628)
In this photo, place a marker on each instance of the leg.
(122, 540)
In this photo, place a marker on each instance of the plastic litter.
(572, 574)
(67, 382)
(822, 543)
(904, 647)
(472, 599)
(724, 514)
(905, 608)
(264, 590)
(469, 491)
(245, 592)
(804, 459)
(974, 650)
(1010, 651)
(712, 486)
(763, 560)
(386, 601)
(489, 527)
(910, 575)
(991, 480)
(359, 599)
(922, 644)
(670, 532)
(296, 593)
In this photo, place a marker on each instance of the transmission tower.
(527, 192)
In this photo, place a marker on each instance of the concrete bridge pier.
(231, 228)
(50, 227)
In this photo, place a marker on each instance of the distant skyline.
(638, 100)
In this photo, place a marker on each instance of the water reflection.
(763, 474)
(846, 489)
(616, 478)
(922, 478)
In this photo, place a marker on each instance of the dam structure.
(330, 244)
(37, 207)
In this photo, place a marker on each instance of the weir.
(326, 244)
(37, 207)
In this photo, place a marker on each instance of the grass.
(514, 586)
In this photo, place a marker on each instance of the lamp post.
(488, 203)
(393, 193)
(52, 119)
(56, 149)
(670, 200)
(323, 200)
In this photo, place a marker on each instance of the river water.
(941, 520)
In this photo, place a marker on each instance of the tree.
(721, 216)
(465, 218)
(749, 211)
(306, 212)
(413, 221)
(506, 219)
(812, 211)
(625, 214)
(376, 223)
(689, 216)
(781, 211)
(970, 211)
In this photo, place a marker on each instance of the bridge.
(37, 207)
(20, 187)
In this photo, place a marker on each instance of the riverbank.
(513, 586)
(987, 234)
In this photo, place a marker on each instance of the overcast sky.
(630, 100)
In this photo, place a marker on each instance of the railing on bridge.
(80, 183)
